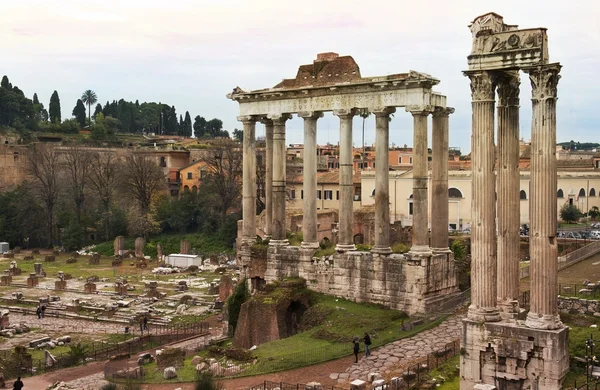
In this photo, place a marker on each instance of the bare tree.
(77, 166)
(103, 178)
(141, 178)
(224, 166)
(44, 168)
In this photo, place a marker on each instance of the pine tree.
(35, 99)
(181, 127)
(5, 83)
(199, 126)
(187, 125)
(79, 112)
(54, 108)
(97, 111)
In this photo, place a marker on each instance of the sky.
(192, 53)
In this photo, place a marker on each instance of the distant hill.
(573, 145)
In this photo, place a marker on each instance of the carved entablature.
(508, 89)
(488, 24)
(482, 85)
(544, 81)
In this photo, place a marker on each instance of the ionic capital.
(482, 85)
(279, 119)
(442, 111)
(266, 121)
(383, 111)
(248, 118)
(419, 110)
(544, 81)
(310, 114)
(345, 112)
(508, 89)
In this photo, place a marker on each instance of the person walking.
(145, 323)
(38, 311)
(367, 340)
(43, 311)
(18, 385)
(356, 348)
(141, 325)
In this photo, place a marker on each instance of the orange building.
(191, 175)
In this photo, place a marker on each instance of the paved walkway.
(398, 354)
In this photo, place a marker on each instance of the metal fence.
(269, 385)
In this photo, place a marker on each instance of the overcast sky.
(192, 53)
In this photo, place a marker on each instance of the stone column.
(309, 220)
(508, 202)
(439, 180)
(382, 180)
(346, 210)
(268, 177)
(249, 180)
(543, 312)
(279, 237)
(483, 207)
(420, 228)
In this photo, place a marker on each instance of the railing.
(269, 385)
(570, 258)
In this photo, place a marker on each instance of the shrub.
(363, 247)
(109, 386)
(400, 248)
(570, 213)
(235, 302)
(207, 382)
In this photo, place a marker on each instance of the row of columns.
(275, 180)
(495, 247)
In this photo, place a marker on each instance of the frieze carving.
(482, 85)
(508, 41)
(544, 81)
(508, 89)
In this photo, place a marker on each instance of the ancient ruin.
(420, 281)
(500, 348)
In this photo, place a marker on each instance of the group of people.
(367, 340)
(41, 311)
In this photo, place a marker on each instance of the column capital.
(266, 121)
(248, 118)
(442, 111)
(508, 89)
(345, 112)
(483, 84)
(383, 111)
(419, 110)
(544, 81)
(279, 119)
(310, 114)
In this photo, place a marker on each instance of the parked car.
(574, 235)
(595, 235)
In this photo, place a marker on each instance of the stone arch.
(194, 189)
(373, 192)
(560, 194)
(523, 195)
(592, 192)
(293, 316)
(359, 238)
(186, 188)
(581, 193)
(411, 196)
(163, 162)
(454, 193)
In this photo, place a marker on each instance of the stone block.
(32, 281)
(94, 260)
(89, 287)
(313, 386)
(36, 342)
(8, 255)
(119, 245)
(358, 384)
(28, 257)
(49, 258)
(140, 242)
(481, 386)
(170, 373)
(5, 280)
(71, 260)
(60, 284)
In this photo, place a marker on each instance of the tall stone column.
(309, 220)
(382, 181)
(483, 206)
(249, 179)
(268, 177)
(420, 228)
(439, 180)
(346, 211)
(543, 312)
(508, 204)
(279, 236)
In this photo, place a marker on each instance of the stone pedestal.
(39, 270)
(159, 253)
(184, 247)
(49, 258)
(32, 281)
(139, 246)
(6, 279)
(94, 260)
(513, 356)
(121, 288)
(89, 287)
(60, 284)
(119, 246)
(152, 290)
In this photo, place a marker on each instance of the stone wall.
(14, 160)
(570, 305)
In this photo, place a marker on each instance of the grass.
(447, 374)
(579, 332)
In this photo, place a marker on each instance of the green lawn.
(447, 374)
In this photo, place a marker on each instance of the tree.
(54, 108)
(97, 110)
(570, 213)
(187, 125)
(214, 127)
(103, 179)
(141, 178)
(199, 126)
(35, 99)
(77, 166)
(41, 114)
(594, 212)
(79, 112)
(44, 168)
(89, 97)
(5, 83)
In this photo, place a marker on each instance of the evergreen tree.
(97, 111)
(199, 126)
(181, 126)
(187, 125)
(79, 112)
(5, 83)
(54, 108)
(35, 99)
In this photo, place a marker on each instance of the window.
(399, 159)
(337, 195)
(194, 189)
(592, 192)
(318, 194)
(203, 174)
(582, 193)
(163, 162)
(189, 175)
(292, 194)
(337, 164)
(523, 195)
(410, 208)
(16, 156)
(454, 193)
(428, 158)
(328, 195)
(560, 194)
(373, 193)
(186, 189)
(301, 194)
(410, 160)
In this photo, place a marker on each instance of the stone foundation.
(60, 284)
(89, 287)
(32, 281)
(410, 283)
(512, 356)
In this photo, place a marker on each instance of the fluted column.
(483, 206)
(268, 177)
(508, 203)
(279, 236)
(420, 228)
(346, 211)
(543, 312)
(439, 180)
(309, 220)
(382, 181)
(249, 179)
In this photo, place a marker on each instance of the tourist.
(43, 311)
(141, 325)
(356, 348)
(145, 323)
(367, 340)
(38, 311)
(18, 385)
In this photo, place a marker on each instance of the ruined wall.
(14, 160)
